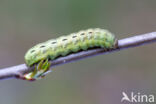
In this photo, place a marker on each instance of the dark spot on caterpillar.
(74, 36)
(82, 34)
(42, 46)
(64, 39)
(90, 32)
(32, 51)
(53, 42)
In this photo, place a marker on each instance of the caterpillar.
(40, 54)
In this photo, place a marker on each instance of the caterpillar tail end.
(41, 69)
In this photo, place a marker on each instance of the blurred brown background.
(97, 80)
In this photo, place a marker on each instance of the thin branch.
(19, 70)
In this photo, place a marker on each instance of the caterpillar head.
(35, 54)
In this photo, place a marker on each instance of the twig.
(19, 70)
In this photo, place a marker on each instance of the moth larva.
(65, 45)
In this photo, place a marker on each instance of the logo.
(137, 97)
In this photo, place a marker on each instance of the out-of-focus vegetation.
(97, 80)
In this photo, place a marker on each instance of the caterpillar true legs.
(40, 70)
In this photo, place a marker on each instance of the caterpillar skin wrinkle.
(63, 46)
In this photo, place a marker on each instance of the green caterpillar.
(65, 45)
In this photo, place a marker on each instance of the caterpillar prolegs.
(63, 46)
